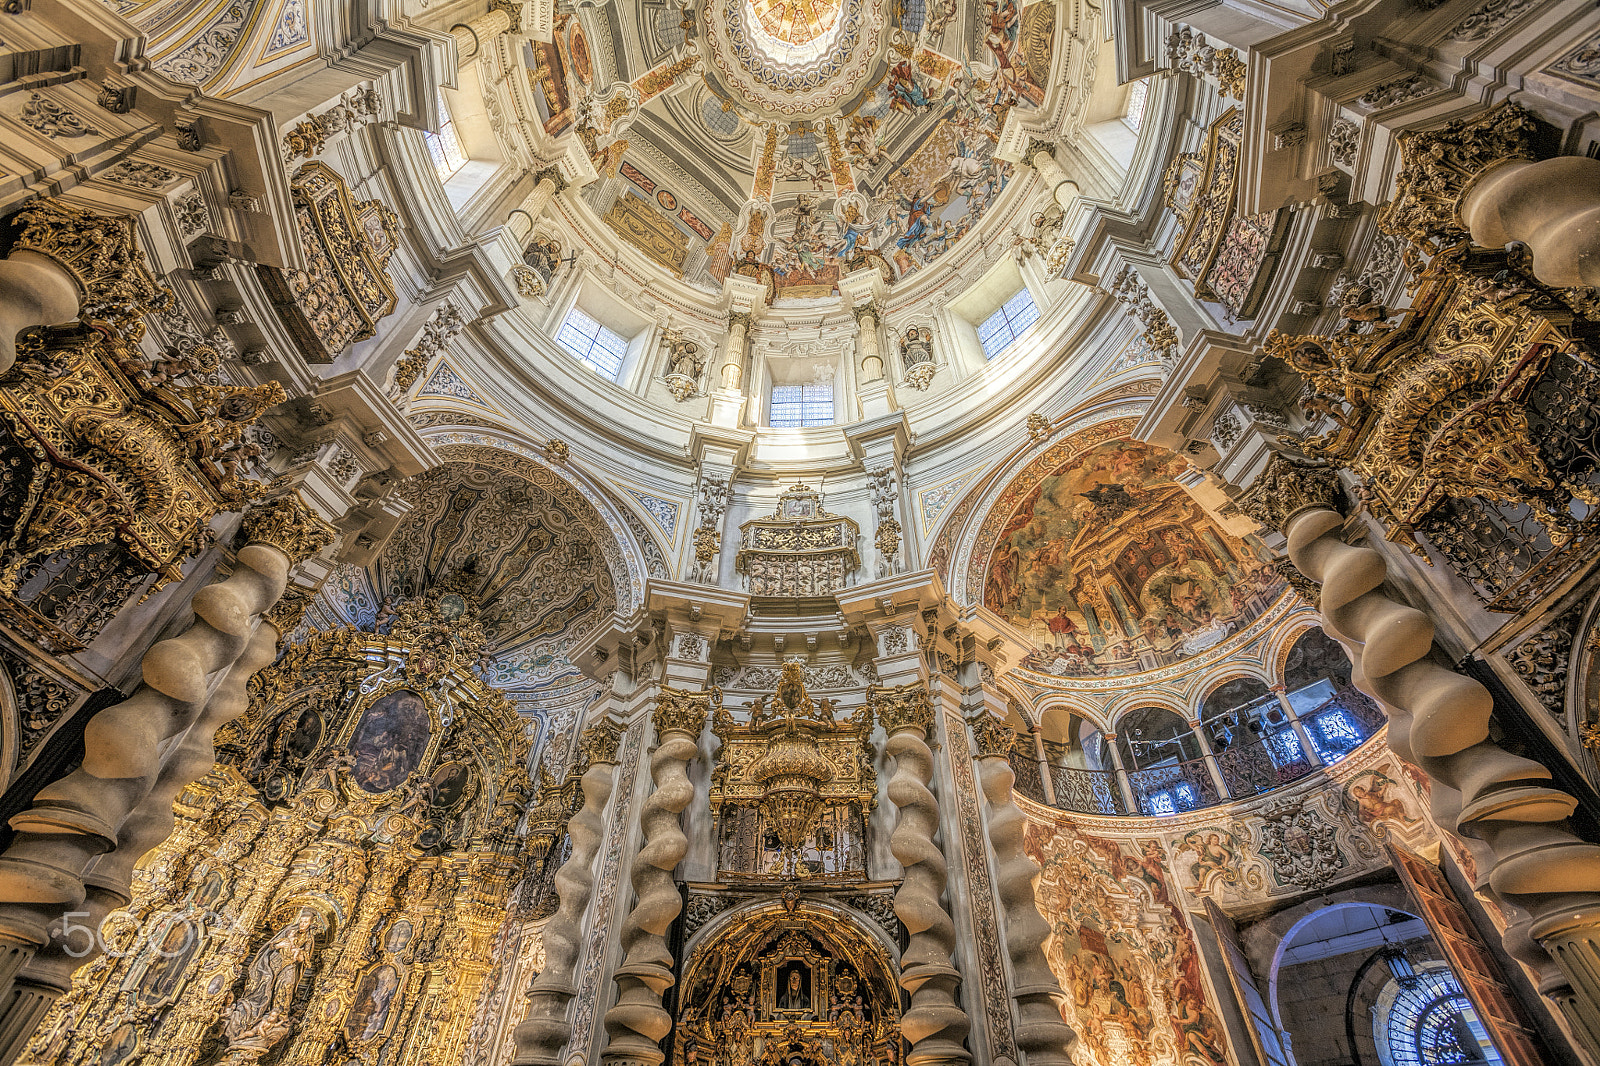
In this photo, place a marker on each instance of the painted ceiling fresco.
(799, 139)
(1110, 567)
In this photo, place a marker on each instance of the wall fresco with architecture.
(1111, 567)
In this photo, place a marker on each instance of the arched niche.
(792, 980)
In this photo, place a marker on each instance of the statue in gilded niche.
(259, 1018)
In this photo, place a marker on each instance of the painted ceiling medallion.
(818, 67)
(796, 22)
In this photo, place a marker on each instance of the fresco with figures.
(1122, 951)
(1111, 567)
(889, 173)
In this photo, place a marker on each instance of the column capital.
(681, 711)
(990, 737)
(902, 707)
(1288, 487)
(869, 309)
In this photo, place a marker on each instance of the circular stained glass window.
(1430, 1022)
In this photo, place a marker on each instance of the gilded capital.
(681, 711)
(1035, 146)
(903, 707)
(1438, 168)
(103, 256)
(1286, 488)
(600, 741)
(865, 310)
(991, 738)
(739, 318)
(286, 523)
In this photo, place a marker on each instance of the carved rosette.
(288, 524)
(902, 708)
(682, 711)
(1288, 487)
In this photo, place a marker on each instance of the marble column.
(637, 1023)
(1439, 721)
(1124, 782)
(934, 1023)
(1041, 156)
(472, 37)
(548, 184)
(1044, 1038)
(1552, 206)
(871, 351)
(1045, 766)
(1212, 766)
(1298, 726)
(543, 1035)
(730, 374)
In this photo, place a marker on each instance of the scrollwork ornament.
(288, 524)
(103, 257)
(1439, 167)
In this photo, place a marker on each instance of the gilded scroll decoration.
(1470, 422)
(800, 551)
(345, 289)
(118, 465)
(793, 786)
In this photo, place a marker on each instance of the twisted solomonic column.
(637, 1023)
(106, 803)
(545, 1032)
(934, 1023)
(1041, 1034)
(1439, 721)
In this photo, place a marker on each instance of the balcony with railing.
(1266, 757)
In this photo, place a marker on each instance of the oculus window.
(1430, 1022)
(1000, 330)
(595, 346)
(445, 146)
(796, 406)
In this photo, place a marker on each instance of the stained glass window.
(1001, 329)
(445, 146)
(1138, 96)
(1431, 1023)
(794, 406)
(597, 347)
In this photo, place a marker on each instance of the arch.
(760, 970)
(1269, 940)
(497, 446)
(1135, 701)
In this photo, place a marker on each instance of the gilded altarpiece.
(801, 551)
(1228, 256)
(333, 888)
(345, 289)
(791, 954)
(113, 460)
(1471, 422)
